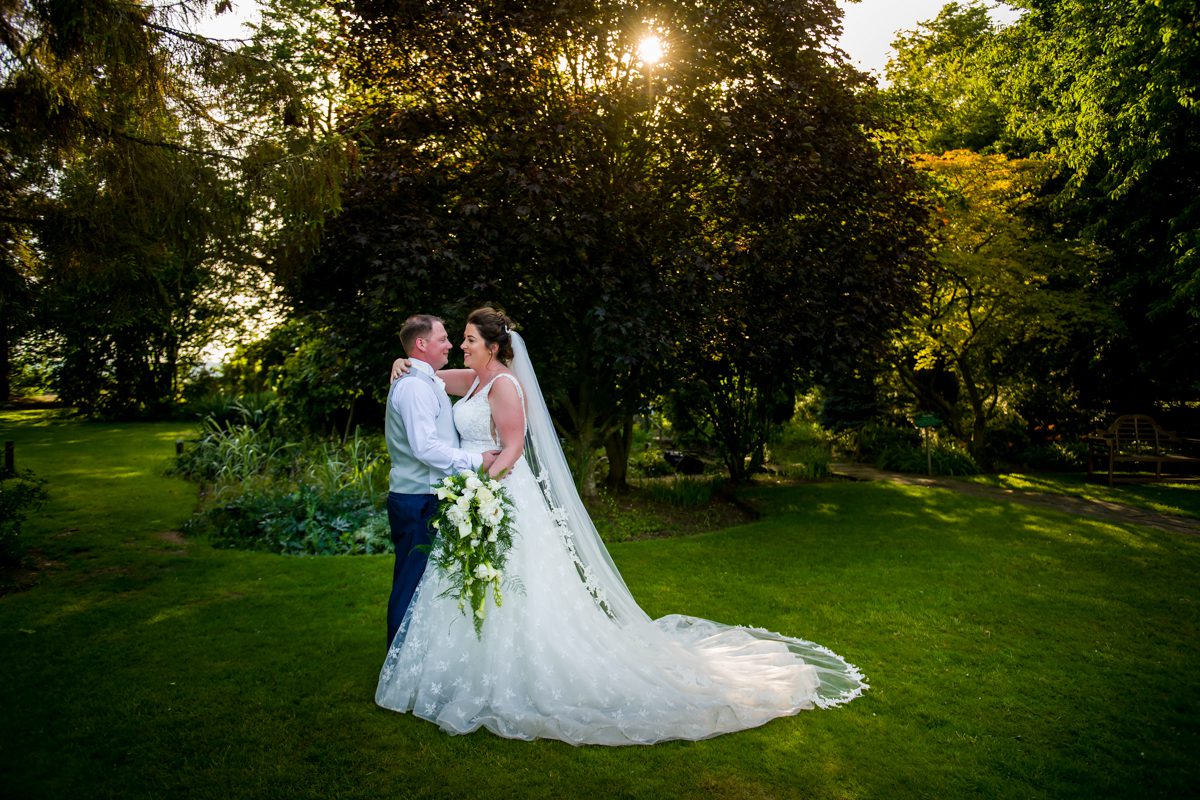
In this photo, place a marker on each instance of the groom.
(423, 445)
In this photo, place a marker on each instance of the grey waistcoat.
(408, 475)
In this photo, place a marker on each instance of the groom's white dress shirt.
(418, 403)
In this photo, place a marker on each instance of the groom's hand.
(489, 456)
(400, 367)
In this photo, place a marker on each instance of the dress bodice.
(473, 417)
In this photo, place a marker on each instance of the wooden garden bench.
(1138, 440)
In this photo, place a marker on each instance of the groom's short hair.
(418, 326)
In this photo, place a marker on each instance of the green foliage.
(649, 463)
(19, 494)
(1047, 447)
(944, 80)
(1106, 93)
(230, 455)
(903, 450)
(802, 448)
(357, 467)
(323, 382)
(256, 410)
(1006, 307)
(136, 211)
(1111, 89)
(633, 218)
(269, 492)
(943, 458)
(616, 523)
(683, 491)
(305, 521)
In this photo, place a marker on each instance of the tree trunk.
(582, 459)
(977, 442)
(617, 446)
(581, 448)
(5, 365)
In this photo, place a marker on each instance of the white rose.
(464, 503)
(492, 515)
(484, 496)
(494, 484)
(473, 481)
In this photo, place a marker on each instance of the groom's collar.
(423, 367)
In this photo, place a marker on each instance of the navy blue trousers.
(409, 516)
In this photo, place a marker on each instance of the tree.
(527, 155)
(1110, 89)
(16, 296)
(1005, 306)
(1106, 91)
(945, 80)
(135, 196)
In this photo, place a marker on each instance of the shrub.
(874, 439)
(235, 453)
(801, 450)
(358, 467)
(945, 458)
(683, 491)
(256, 410)
(19, 494)
(649, 463)
(616, 523)
(301, 522)
(1053, 455)
(306, 498)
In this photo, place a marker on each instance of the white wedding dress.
(569, 655)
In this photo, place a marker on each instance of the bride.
(570, 655)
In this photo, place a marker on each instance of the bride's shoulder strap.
(513, 378)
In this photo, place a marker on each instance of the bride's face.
(475, 350)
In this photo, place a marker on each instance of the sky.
(869, 25)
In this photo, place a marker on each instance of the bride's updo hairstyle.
(494, 327)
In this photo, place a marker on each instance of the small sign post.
(925, 422)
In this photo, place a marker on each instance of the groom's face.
(437, 346)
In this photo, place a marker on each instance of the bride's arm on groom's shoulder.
(509, 416)
(458, 381)
(400, 367)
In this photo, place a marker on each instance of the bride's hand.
(400, 367)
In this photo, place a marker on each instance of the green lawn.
(1164, 497)
(1012, 652)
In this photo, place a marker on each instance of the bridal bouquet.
(473, 534)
